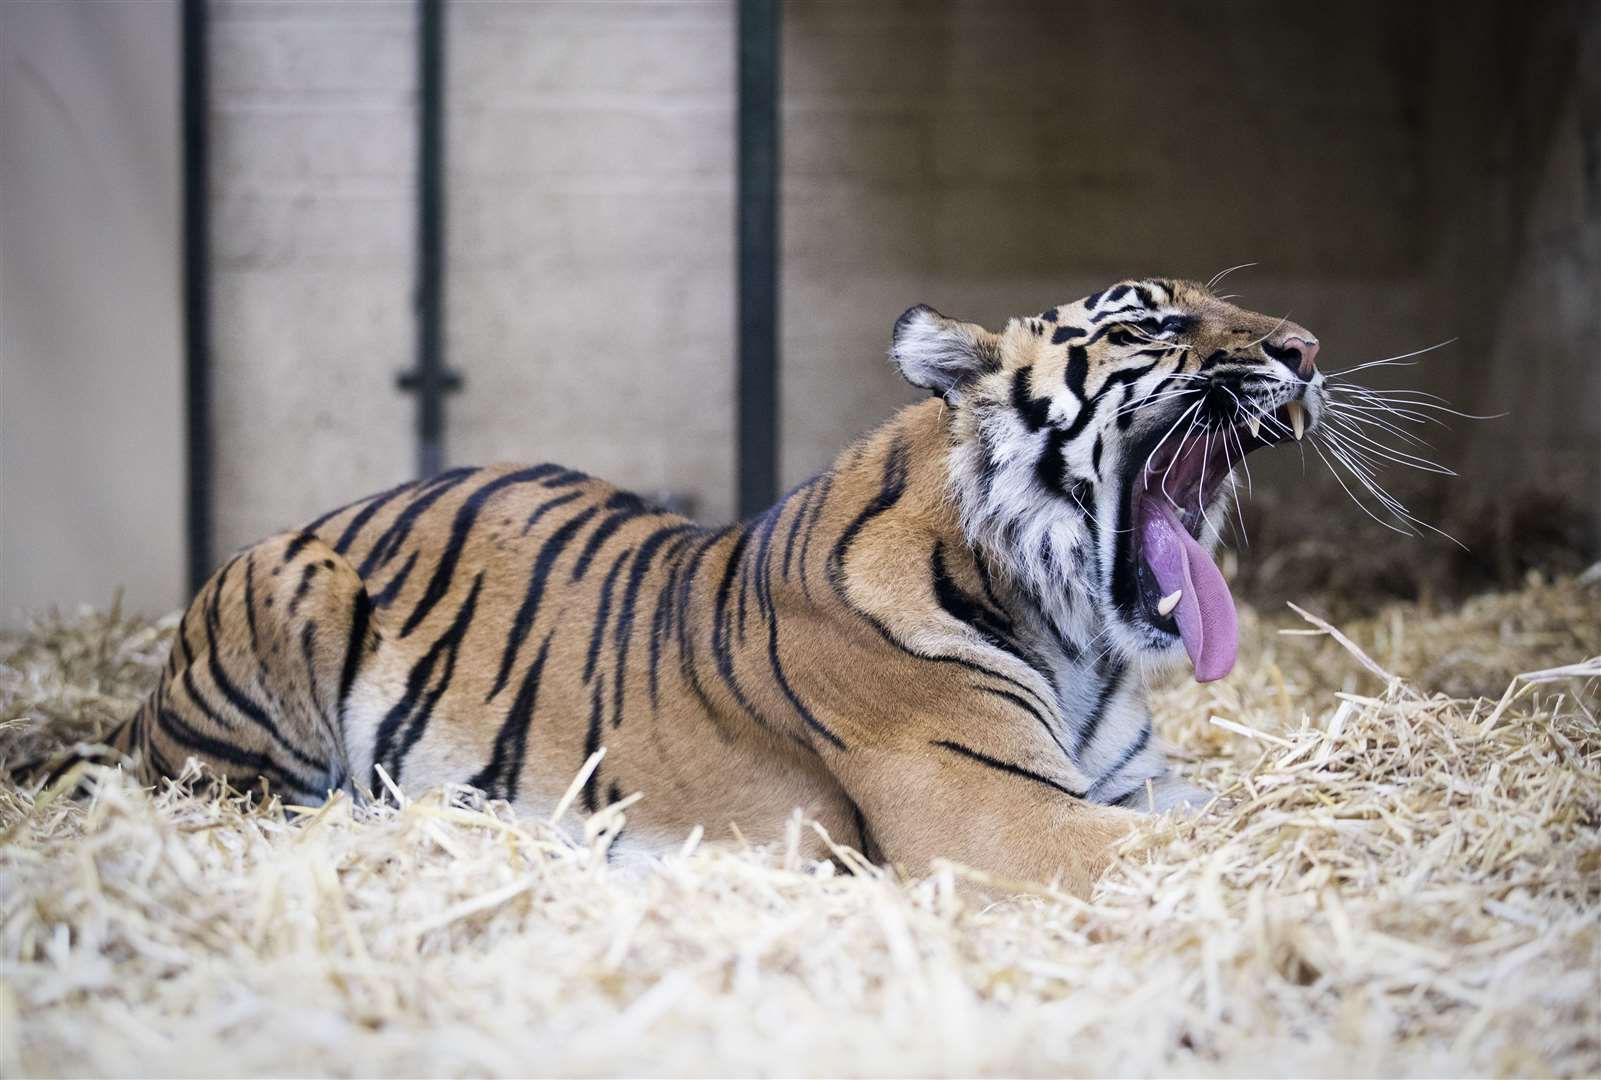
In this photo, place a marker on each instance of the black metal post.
(196, 298)
(757, 447)
(431, 379)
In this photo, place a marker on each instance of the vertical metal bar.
(757, 445)
(196, 297)
(430, 380)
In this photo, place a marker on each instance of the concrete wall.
(590, 187)
(312, 114)
(997, 158)
(589, 281)
(1516, 252)
(91, 467)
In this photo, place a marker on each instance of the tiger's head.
(1093, 450)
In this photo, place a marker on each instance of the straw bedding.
(1404, 878)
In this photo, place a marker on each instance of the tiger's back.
(495, 627)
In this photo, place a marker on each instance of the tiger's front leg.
(1171, 792)
(987, 785)
(929, 807)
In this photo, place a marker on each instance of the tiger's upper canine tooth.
(1297, 418)
(1253, 424)
(1166, 605)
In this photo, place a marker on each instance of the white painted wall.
(91, 430)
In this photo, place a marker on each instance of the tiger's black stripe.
(764, 598)
(307, 572)
(355, 640)
(462, 525)
(416, 706)
(994, 627)
(744, 590)
(1134, 751)
(180, 650)
(196, 741)
(1034, 411)
(250, 604)
(1081, 420)
(722, 652)
(297, 545)
(623, 635)
(659, 629)
(889, 493)
(317, 523)
(209, 710)
(811, 487)
(762, 558)
(567, 478)
(374, 505)
(1050, 470)
(153, 752)
(1007, 695)
(393, 538)
(308, 654)
(681, 621)
(391, 591)
(549, 552)
(1005, 766)
(1113, 682)
(1127, 375)
(499, 778)
(592, 747)
(811, 527)
(894, 485)
(547, 506)
(241, 702)
(602, 614)
(625, 508)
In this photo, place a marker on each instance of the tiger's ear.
(941, 354)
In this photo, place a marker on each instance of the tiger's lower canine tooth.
(1253, 424)
(1166, 605)
(1297, 418)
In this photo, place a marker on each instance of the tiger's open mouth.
(1180, 590)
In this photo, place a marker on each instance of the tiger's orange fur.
(858, 652)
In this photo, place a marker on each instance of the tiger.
(939, 647)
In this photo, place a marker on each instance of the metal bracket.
(445, 381)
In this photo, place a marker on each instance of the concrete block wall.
(312, 181)
(590, 272)
(91, 331)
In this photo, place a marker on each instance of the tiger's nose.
(1307, 347)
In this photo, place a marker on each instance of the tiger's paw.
(1170, 792)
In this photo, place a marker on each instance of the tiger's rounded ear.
(941, 354)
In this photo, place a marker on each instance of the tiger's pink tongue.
(1205, 613)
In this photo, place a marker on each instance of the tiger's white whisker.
(1400, 457)
(1389, 360)
(1221, 274)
